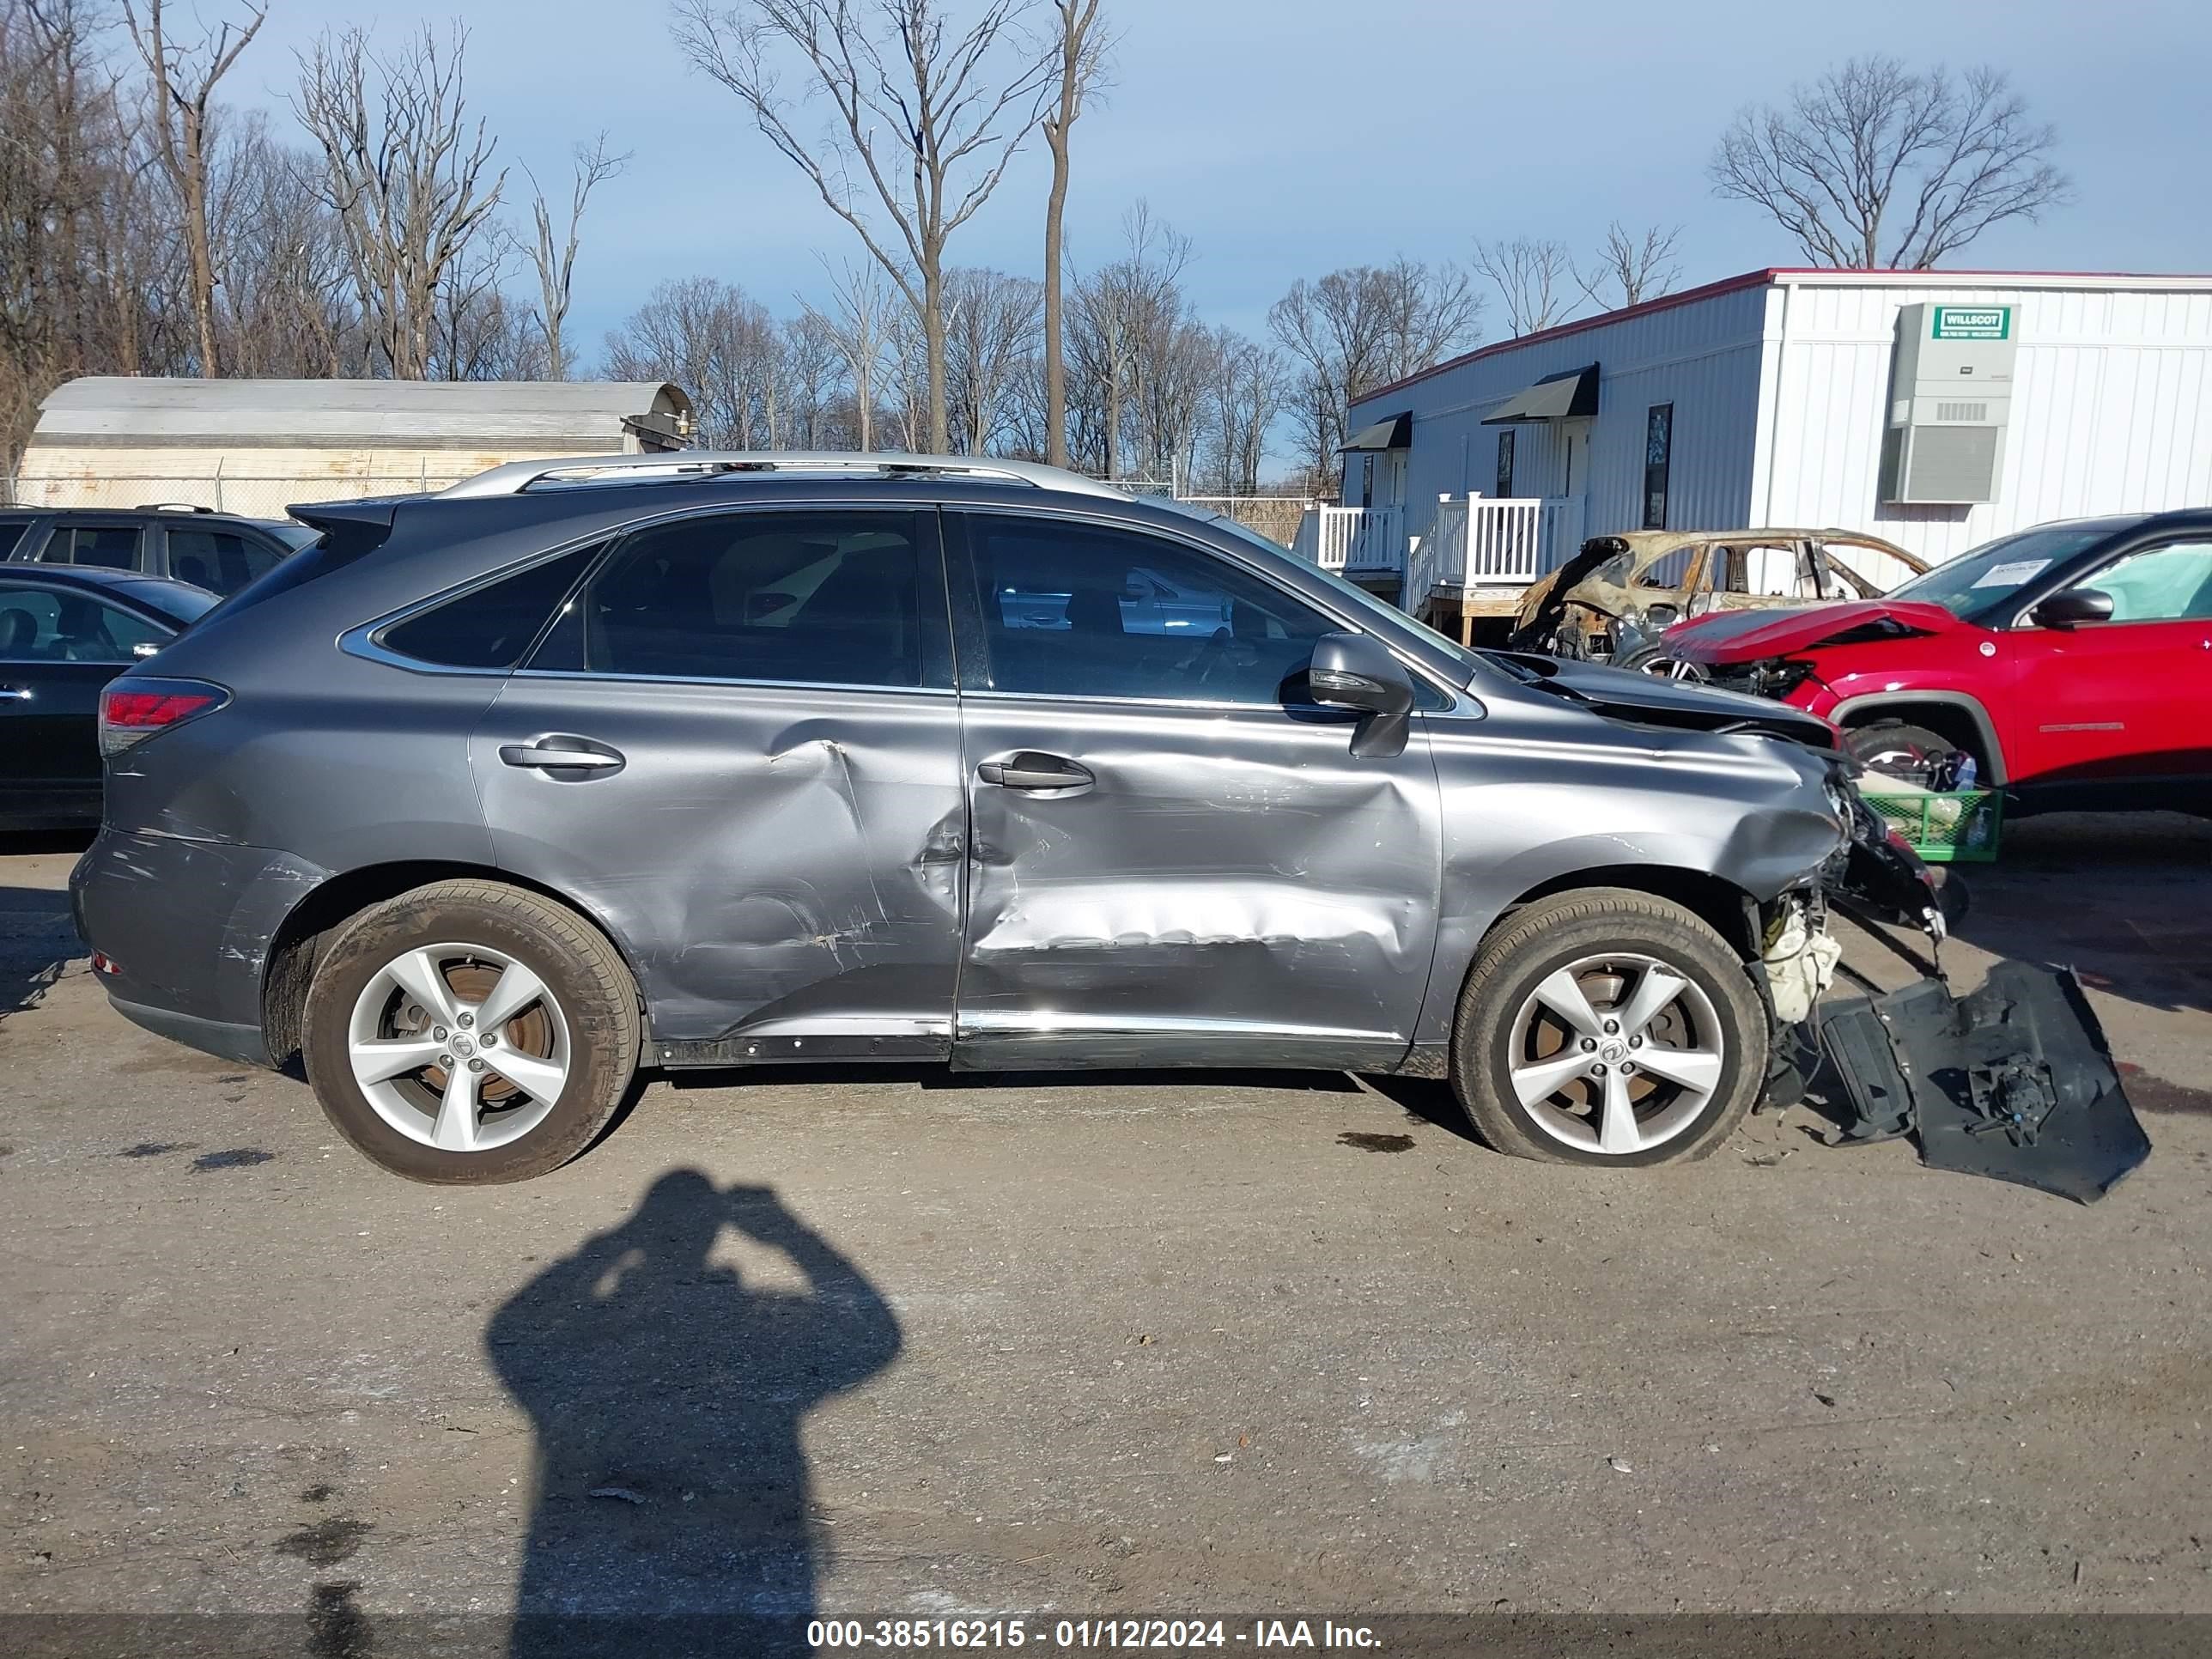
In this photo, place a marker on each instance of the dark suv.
(186, 543)
(493, 796)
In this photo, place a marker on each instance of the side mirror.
(1354, 672)
(2075, 606)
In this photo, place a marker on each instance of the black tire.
(595, 995)
(1897, 747)
(1552, 933)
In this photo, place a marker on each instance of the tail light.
(133, 708)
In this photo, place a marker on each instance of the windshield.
(1352, 592)
(1985, 577)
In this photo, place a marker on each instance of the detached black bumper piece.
(2014, 1081)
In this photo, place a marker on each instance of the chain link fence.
(1275, 517)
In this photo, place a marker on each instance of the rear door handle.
(15, 694)
(1031, 770)
(569, 753)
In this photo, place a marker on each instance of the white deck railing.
(1480, 542)
(1352, 538)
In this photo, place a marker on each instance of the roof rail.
(694, 465)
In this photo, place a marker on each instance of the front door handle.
(566, 753)
(15, 694)
(1031, 770)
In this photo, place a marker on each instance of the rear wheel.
(469, 1032)
(1610, 1027)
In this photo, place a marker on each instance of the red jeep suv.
(2072, 662)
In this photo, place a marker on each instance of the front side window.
(40, 625)
(1088, 611)
(111, 546)
(11, 534)
(2171, 583)
(220, 561)
(825, 597)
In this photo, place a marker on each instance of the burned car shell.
(820, 869)
(1604, 601)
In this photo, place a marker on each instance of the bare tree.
(1362, 327)
(184, 82)
(1874, 165)
(928, 118)
(1533, 277)
(1122, 310)
(1079, 59)
(555, 259)
(710, 339)
(1631, 267)
(862, 334)
(991, 323)
(283, 277)
(406, 173)
(814, 381)
(1250, 385)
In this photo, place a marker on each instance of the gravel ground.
(896, 1342)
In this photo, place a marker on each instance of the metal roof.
(153, 412)
(1816, 276)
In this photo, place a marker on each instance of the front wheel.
(470, 1032)
(1611, 1027)
(1898, 749)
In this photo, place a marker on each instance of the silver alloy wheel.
(459, 1046)
(1615, 1053)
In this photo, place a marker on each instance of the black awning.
(1392, 432)
(1572, 394)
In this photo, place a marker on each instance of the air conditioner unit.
(1950, 399)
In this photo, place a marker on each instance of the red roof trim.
(1734, 284)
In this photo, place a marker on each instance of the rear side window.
(822, 597)
(491, 626)
(40, 625)
(11, 534)
(220, 561)
(111, 546)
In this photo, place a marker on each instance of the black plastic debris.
(2014, 1081)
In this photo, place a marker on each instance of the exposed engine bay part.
(2014, 1081)
(1798, 961)
(1877, 875)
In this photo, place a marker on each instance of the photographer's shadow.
(667, 1396)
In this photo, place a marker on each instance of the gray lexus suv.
(491, 798)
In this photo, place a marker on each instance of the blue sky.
(1287, 137)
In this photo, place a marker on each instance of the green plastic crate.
(1959, 826)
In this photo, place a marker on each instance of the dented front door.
(763, 805)
(1169, 863)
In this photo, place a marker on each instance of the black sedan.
(65, 631)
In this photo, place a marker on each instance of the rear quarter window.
(490, 627)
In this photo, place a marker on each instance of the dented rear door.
(1172, 860)
(765, 808)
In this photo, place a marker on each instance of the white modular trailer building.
(1933, 409)
(253, 446)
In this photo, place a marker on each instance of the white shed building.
(252, 447)
(1933, 409)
